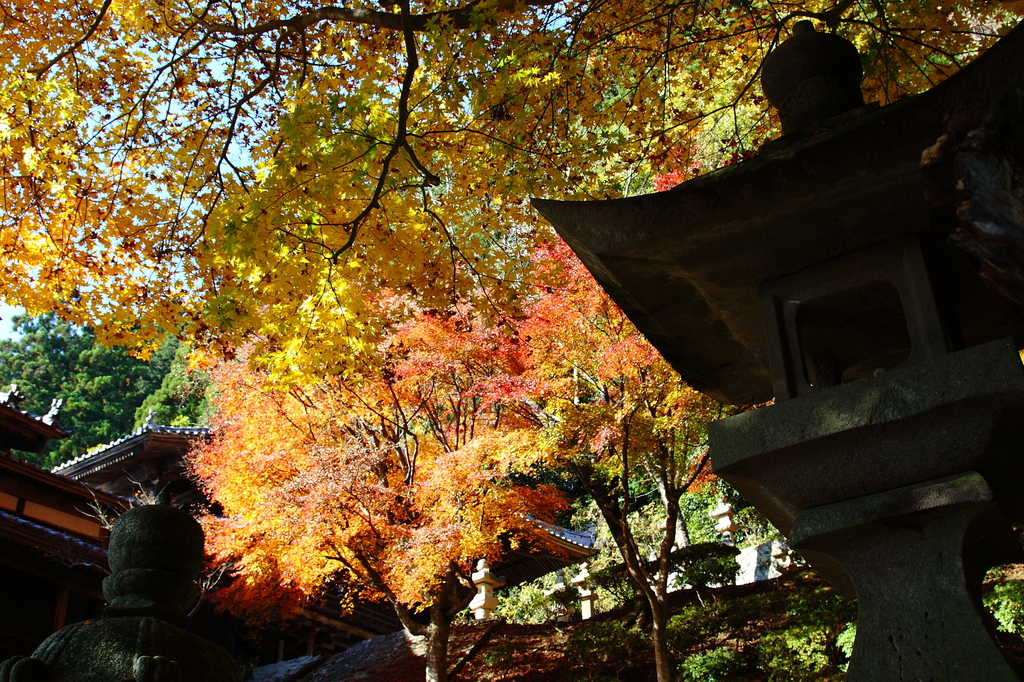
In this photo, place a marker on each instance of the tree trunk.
(437, 645)
(659, 636)
(652, 585)
(682, 533)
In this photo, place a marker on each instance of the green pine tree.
(181, 398)
(101, 387)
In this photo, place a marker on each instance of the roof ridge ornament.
(52, 416)
(13, 397)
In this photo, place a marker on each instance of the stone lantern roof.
(686, 264)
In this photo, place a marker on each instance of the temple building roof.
(21, 430)
(148, 439)
(521, 565)
(149, 459)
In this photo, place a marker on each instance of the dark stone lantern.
(864, 270)
(155, 556)
(812, 77)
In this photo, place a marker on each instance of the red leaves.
(392, 479)
(389, 480)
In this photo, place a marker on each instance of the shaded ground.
(791, 628)
(606, 647)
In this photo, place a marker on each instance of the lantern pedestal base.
(916, 557)
(899, 490)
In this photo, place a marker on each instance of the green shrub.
(754, 528)
(814, 645)
(844, 642)
(699, 623)
(694, 624)
(615, 580)
(531, 603)
(699, 565)
(822, 606)
(741, 612)
(717, 665)
(695, 508)
(1006, 602)
(607, 642)
(809, 649)
(704, 564)
(796, 654)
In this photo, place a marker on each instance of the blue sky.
(6, 313)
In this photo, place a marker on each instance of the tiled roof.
(583, 538)
(52, 542)
(99, 451)
(580, 538)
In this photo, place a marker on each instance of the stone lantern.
(155, 555)
(587, 597)
(865, 270)
(484, 602)
(724, 525)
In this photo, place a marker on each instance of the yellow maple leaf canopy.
(233, 169)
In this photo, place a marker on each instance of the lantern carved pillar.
(724, 525)
(897, 490)
(582, 584)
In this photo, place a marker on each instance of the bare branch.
(458, 18)
(40, 70)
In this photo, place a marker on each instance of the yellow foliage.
(262, 169)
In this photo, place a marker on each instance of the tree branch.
(400, 141)
(40, 70)
(459, 18)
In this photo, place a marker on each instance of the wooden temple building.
(52, 538)
(53, 552)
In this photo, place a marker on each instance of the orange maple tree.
(401, 481)
(615, 415)
(395, 487)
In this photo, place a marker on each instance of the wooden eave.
(23, 431)
(55, 545)
(18, 478)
